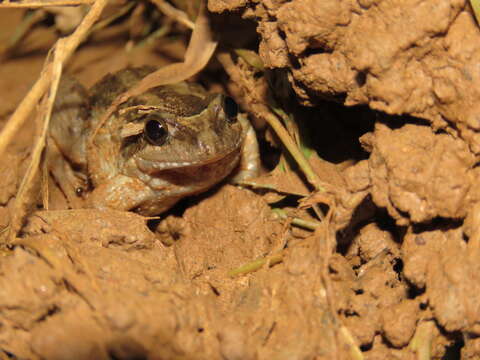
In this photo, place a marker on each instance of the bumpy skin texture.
(127, 170)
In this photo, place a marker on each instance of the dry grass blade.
(21, 31)
(306, 224)
(39, 88)
(45, 3)
(200, 49)
(293, 149)
(476, 9)
(51, 74)
(22, 200)
(256, 265)
(421, 343)
(174, 13)
(259, 106)
(199, 52)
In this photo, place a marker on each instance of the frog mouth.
(158, 165)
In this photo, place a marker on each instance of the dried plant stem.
(476, 9)
(256, 264)
(174, 13)
(40, 87)
(33, 166)
(306, 224)
(421, 343)
(50, 75)
(293, 149)
(45, 3)
(354, 350)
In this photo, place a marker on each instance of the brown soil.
(386, 93)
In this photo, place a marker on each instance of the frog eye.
(230, 108)
(156, 132)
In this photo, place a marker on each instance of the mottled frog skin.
(170, 142)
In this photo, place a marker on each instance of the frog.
(157, 148)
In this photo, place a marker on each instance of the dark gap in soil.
(52, 311)
(398, 121)
(335, 130)
(294, 62)
(288, 201)
(125, 348)
(414, 292)
(234, 31)
(366, 347)
(398, 267)
(364, 214)
(214, 290)
(9, 355)
(269, 155)
(438, 223)
(387, 223)
(349, 313)
(361, 78)
(454, 351)
(314, 49)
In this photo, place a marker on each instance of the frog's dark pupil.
(155, 132)
(231, 108)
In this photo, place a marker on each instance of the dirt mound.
(371, 255)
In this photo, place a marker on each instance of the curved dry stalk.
(476, 9)
(293, 149)
(44, 3)
(256, 264)
(306, 224)
(40, 87)
(353, 349)
(50, 75)
(22, 198)
(172, 12)
(421, 343)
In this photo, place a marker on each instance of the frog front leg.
(121, 193)
(65, 153)
(249, 166)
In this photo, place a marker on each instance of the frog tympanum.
(158, 147)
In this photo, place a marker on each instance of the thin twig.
(45, 3)
(306, 224)
(256, 264)
(293, 149)
(28, 103)
(51, 74)
(174, 13)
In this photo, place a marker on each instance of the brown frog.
(170, 142)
